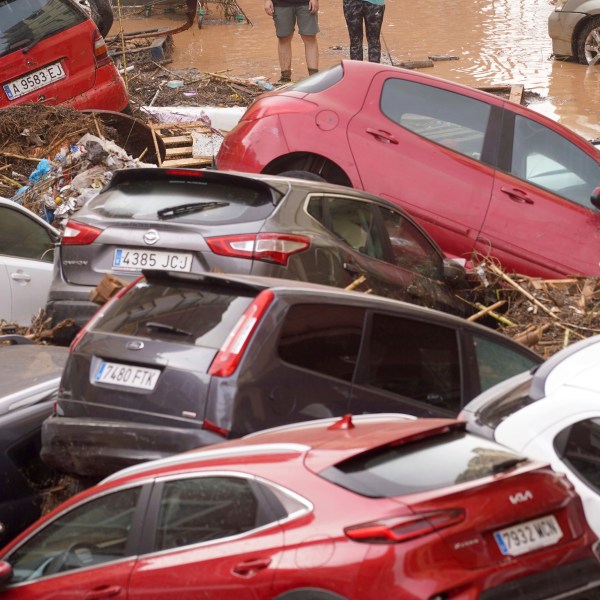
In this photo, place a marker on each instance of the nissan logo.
(135, 345)
(151, 237)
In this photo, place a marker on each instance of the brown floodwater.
(496, 43)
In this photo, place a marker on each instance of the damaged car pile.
(280, 346)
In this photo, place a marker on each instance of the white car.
(551, 413)
(26, 255)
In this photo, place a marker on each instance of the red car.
(380, 506)
(52, 52)
(485, 176)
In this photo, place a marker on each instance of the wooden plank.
(199, 125)
(176, 139)
(188, 162)
(169, 152)
(516, 93)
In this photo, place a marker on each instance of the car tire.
(588, 42)
(302, 175)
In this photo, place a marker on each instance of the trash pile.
(54, 169)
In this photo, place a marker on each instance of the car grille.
(576, 581)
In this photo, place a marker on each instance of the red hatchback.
(52, 52)
(483, 175)
(382, 506)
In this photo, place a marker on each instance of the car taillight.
(77, 234)
(268, 247)
(100, 50)
(232, 350)
(393, 531)
(79, 335)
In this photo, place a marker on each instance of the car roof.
(326, 293)
(28, 371)
(322, 442)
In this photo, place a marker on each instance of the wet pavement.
(496, 42)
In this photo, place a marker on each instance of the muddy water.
(496, 42)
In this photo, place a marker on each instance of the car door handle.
(517, 195)
(382, 136)
(251, 567)
(20, 276)
(352, 268)
(106, 591)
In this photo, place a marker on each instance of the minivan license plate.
(127, 375)
(135, 260)
(34, 81)
(528, 536)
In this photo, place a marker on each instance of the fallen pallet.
(179, 143)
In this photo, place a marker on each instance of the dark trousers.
(356, 12)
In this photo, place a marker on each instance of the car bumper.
(108, 93)
(561, 26)
(95, 448)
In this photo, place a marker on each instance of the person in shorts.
(286, 15)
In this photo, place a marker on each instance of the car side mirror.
(595, 198)
(455, 274)
(6, 573)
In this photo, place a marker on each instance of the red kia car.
(485, 176)
(380, 506)
(52, 52)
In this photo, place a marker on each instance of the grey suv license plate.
(127, 375)
(160, 260)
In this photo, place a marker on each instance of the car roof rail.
(14, 339)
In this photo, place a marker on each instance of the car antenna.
(387, 50)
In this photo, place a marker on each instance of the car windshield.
(177, 312)
(432, 463)
(493, 413)
(24, 22)
(215, 203)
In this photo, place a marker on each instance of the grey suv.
(181, 360)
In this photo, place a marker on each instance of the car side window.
(579, 446)
(546, 159)
(210, 508)
(22, 237)
(352, 221)
(324, 338)
(410, 249)
(416, 359)
(446, 118)
(88, 535)
(496, 362)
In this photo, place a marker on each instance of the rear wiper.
(508, 464)
(165, 327)
(31, 44)
(186, 209)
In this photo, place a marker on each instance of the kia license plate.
(34, 81)
(140, 378)
(528, 536)
(135, 260)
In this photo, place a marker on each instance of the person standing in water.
(286, 14)
(369, 12)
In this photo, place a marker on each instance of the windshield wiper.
(186, 209)
(165, 327)
(508, 464)
(31, 44)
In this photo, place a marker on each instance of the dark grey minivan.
(183, 360)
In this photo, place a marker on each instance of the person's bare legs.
(284, 50)
(311, 52)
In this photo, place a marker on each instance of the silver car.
(574, 27)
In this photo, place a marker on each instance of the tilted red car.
(379, 506)
(485, 176)
(52, 52)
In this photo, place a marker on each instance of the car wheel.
(302, 175)
(588, 44)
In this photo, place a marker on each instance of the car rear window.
(208, 201)
(24, 22)
(493, 413)
(187, 314)
(433, 463)
(319, 81)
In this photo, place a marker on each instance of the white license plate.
(127, 375)
(135, 260)
(528, 536)
(34, 81)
